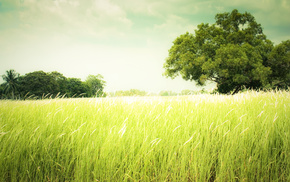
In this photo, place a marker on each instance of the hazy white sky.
(126, 41)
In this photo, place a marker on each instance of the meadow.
(244, 137)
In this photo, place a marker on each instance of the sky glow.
(125, 41)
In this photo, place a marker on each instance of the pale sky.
(126, 41)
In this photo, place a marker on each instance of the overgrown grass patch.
(244, 137)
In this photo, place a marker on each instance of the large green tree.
(11, 83)
(232, 52)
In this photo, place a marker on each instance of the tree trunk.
(238, 88)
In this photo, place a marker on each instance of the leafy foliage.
(75, 87)
(61, 82)
(233, 52)
(279, 61)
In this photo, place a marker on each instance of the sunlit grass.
(244, 137)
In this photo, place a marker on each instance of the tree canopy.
(38, 83)
(279, 61)
(233, 52)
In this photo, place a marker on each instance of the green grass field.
(245, 137)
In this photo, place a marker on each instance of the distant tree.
(77, 88)
(187, 92)
(232, 52)
(131, 92)
(96, 85)
(120, 93)
(279, 61)
(11, 83)
(167, 93)
(38, 83)
(136, 92)
(61, 82)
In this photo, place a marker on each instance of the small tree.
(96, 85)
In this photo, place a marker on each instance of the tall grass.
(244, 137)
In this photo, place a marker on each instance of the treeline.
(136, 92)
(131, 92)
(40, 84)
(185, 92)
